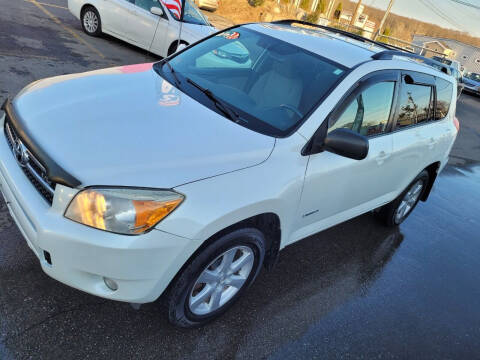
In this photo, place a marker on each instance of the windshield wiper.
(227, 110)
(173, 72)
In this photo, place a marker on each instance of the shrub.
(304, 4)
(313, 17)
(256, 2)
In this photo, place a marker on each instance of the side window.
(146, 4)
(415, 104)
(444, 98)
(369, 111)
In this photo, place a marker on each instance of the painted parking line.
(51, 5)
(13, 54)
(66, 28)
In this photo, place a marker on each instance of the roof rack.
(341, 32)
(389, 54)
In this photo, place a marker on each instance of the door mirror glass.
(345, 142)
(156, 11)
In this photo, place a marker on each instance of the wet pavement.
(358, 290)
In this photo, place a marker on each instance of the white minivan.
(148, 24)
(186, 176)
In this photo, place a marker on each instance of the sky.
(459, 17)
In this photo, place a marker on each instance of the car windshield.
(270, 84)
(473, 76)
(192, 14)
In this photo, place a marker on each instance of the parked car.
(453, 63)
(210, 5)
(459, 78)
(147, 24)
(184, 179)
(472, 83)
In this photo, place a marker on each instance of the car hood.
(198, 32)
(127, 126)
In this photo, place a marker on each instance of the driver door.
(338, 188)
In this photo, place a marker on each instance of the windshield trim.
(262, 126)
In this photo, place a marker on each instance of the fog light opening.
(111, 284)
(47, 257)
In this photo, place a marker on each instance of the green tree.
(386, 32)
(313, 17)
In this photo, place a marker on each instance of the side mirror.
(156, 11)
(347, 143)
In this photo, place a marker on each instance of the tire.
(192, 302)
(173, 47)
(391, 214)
(91, 22)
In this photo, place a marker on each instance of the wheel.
(216, 278)
(173, 47)
(398, 210)
(91, 22)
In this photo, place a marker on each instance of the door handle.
(382, 156)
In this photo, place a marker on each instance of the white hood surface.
(127, 126)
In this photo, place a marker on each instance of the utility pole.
(383, 20)
(355, 13)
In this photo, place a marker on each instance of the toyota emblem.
(21, 153)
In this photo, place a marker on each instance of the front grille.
(32, 168)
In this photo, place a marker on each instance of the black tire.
(173, 47)
(387, 214)
(177, 302)
(91, 12)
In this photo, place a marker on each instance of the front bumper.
(81, 257)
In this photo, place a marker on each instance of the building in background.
(467, 55)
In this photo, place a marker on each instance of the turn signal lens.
(124, 211)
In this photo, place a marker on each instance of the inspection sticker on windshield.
(338, 72)
(230, 35)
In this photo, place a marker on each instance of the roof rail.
(341, 32)
(389, 54)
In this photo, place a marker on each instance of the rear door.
(417, 135)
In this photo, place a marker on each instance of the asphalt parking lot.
(358, 290)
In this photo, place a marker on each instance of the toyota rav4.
(184, 177)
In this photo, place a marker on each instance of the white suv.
(185, 176)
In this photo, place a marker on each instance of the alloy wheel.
(221, 280)
(90, 21)
(408, 202)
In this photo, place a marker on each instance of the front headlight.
(122, 210)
